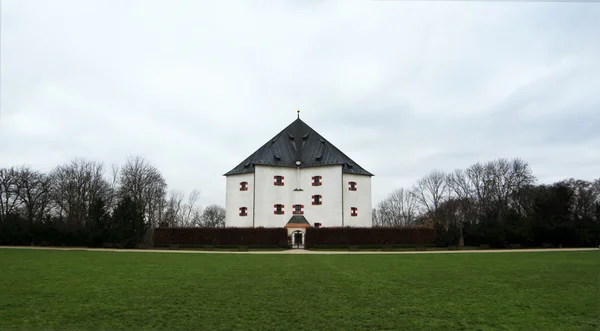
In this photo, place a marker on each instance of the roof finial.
(298, 113)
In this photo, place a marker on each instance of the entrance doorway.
(297, 239)
(296, 230)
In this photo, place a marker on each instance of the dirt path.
(302, 251)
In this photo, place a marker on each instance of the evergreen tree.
(99, 225)
(131, 224)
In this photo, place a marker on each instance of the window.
(352, 186)
(316, 180)
(278, 180)
(298, 209)
(317, 199)
(243, 186)
(278, 210)
(354, 211)
(243, 211)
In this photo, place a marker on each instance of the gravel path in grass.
(304, 251)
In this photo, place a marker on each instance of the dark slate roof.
(298, 141)
(298, 219)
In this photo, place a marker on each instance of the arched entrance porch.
(297, 231)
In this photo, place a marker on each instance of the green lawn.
(80, 290)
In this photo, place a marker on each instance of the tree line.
(497, 203)
(83, 202)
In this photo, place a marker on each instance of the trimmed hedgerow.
(220, 236)
(370, 236)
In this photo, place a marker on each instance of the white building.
(296, 180)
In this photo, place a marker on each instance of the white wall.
(329, 213)
(334, 187)
(235, 199)
(267, 195)
(361, 198)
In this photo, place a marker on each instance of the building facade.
(297, 180)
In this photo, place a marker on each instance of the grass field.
(81, 290)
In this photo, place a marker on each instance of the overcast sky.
(400, 87)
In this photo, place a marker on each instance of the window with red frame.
(352, 186)
(243, 211)
(298, 209)
(354, 211)
(243, 186)
(317, 199)
(316, 180)
(278, 209)
(278, 181)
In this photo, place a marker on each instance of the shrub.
(220, 236)
(370, 236)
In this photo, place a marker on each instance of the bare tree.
(482, 177)
(214, 216)
(178, 213)
(496, 184)
(398, 209)
(431, 191)
(508, 178)
(479, 177)
(34, 192)
(382, 215)
(75, 186)
(172, 215)
(197, 218)
(9, 195)
(190, 209)
(144, 184)
(113, 183)
(462, 189)
(585, 198)
(460, 185)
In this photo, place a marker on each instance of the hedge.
(370, 236)
(17, 231)
(220, 236)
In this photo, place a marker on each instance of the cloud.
(401, 87)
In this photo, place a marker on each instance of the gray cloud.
(400, 87)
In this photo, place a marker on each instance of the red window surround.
(278, 181)
(243, 211)
(243, 186)
(298, 209)
(316, 180)
(352, 186)
(354, 211)
(317, 199)
(278, 209)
